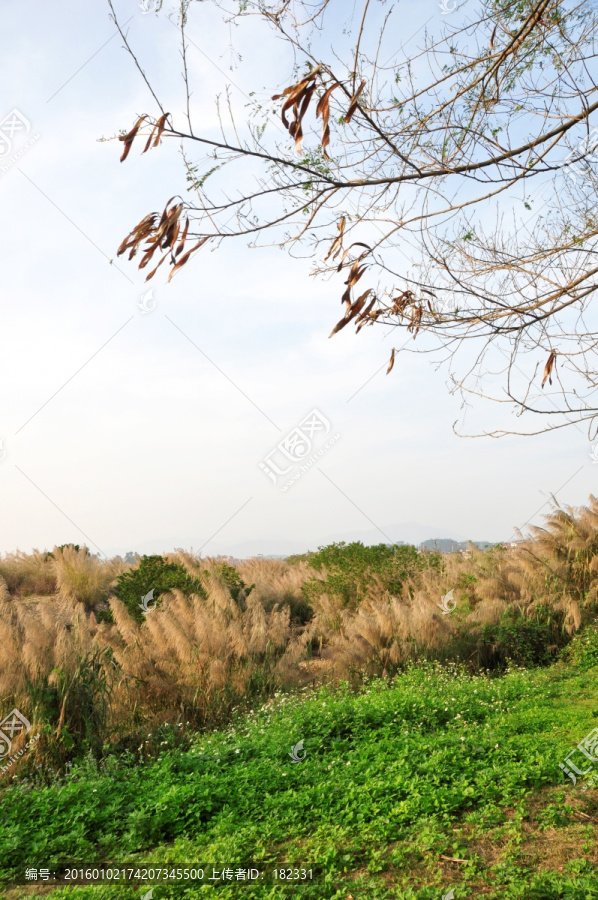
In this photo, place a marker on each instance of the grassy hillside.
(400, 780)
(435, 698)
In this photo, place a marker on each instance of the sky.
(214, 413)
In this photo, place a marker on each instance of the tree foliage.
(155, 574)
(349, 570)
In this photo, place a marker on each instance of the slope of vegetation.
(437, 780)
(433, 738)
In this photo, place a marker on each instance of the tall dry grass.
(192, 659)
(85, 681)
(278, 583)
(71, 573)
(84, 578)
(551, 578)
(28, 573)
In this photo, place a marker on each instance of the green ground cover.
(409, 789)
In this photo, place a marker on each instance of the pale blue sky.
(156, 443)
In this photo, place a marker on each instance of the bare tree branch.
(420, 191)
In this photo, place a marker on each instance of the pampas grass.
(84, 578)
(28, 573)
(197, 659)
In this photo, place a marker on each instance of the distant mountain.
(446, 545)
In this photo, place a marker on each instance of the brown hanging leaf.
(167, 226)
(169, 231)
(166, 211)
(161, 232)
(295, 97)
(296, 127)
(160, 125)
(391, 362)
(323, 109)
(361, 256)
(298, 99)
(153, 272)
(127, 242)
(138, 234)
(416, 317)
(186, 256)
(355, 272)
(362, 318)
(173, 233)
(298, 86)
(130, 137)
(157, 131)
(183, 238)
(134, 249)
(401, 302)
(337, 243)
(360, 303)
(148, 255)
(353, 103)
(548, 368)
(352, 311)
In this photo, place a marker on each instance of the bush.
(239, 591)
(75, 547)
(583, 649)
(348, 570)
(153, 573)
(520, 640)
(300, 610)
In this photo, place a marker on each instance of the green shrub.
(153, 573)
(517, 639)
(350, 569)
(237, 587)
(583, 649)
(104, 615)
(300, 609)
(75, 547)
